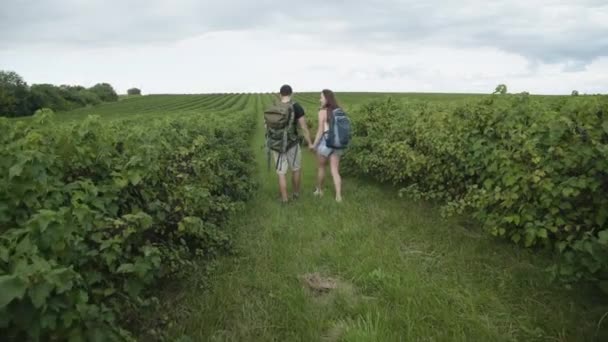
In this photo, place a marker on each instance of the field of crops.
(97, 213)
(93, 213)
(158, 105)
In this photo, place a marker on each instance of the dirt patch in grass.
(326, 290)
(318, 284)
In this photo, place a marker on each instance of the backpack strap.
(278, 161)
(268, 152)
(290, 124)
(296, 154)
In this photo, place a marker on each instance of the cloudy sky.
(189, 46)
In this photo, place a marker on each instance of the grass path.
(401, 274)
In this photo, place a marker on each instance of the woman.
(325, 153)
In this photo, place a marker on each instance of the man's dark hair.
(286, 90)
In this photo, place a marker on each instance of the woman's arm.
(321, 126)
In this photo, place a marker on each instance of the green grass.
(403, 274)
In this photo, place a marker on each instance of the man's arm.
(304, 126)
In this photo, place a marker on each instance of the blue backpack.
(339, 132)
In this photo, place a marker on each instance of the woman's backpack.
(339, 132)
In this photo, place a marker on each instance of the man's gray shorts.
(292, 159)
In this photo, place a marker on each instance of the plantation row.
(95, 213)
(160, 105)
(533, 170)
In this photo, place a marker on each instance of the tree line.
(18, 99)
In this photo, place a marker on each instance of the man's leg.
(281, 166)
(296, 179)
(283, 186)
(295, 160)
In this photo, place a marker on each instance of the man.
(292, 157)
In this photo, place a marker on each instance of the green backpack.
(281, 133)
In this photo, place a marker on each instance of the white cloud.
(191, 46)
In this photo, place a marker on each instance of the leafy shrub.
(14, 95)
(17, 99)
(93, 214)
(531, 170)
(61, 98)
(105, 92)
(48, 96)
(501, 89)
(79, 96)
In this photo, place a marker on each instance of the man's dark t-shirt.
(298, 113)
(298, 110)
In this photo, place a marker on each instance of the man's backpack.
(281, 133)
(339, 132)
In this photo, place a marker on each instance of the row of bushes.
(93, 214)
(532, 170)
(18, 99)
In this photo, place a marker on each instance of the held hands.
(311, 145)
(312, 148)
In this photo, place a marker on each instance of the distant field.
(149, 106)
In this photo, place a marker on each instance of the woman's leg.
(334, 161)
(321, 163)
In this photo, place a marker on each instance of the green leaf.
(39, 293)
(81, 212)
(49, 321)
(15, 171)
(601, 217)
(605, 126)
(4, 253)
(11, 288)
(542, 233)
(513, 219)
(44, 217)
(488, 184)
(126, 268)
(510, 180)
(588, 247)
(83, 296)
(68, 317)
(530, 238)
(603, 237)
(62, 279)
(135, 178)
(25, 246)
(134, 287)
(121, 182)
(109, 291)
